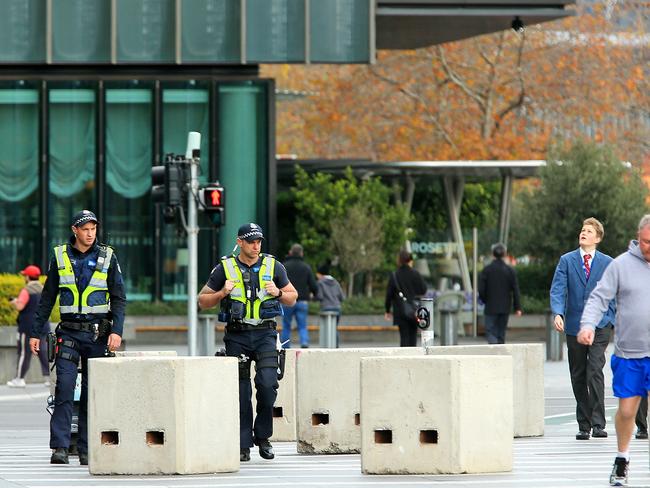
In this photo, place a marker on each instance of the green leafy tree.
(586, 180)
(321, 199)
(357, 239)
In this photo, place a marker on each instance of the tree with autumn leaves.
(507, 95)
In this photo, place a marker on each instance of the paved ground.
(555, 460)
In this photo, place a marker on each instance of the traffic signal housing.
(212, 200)
(169, 185)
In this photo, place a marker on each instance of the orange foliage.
(501, 96)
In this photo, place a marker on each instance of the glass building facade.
(93, 93)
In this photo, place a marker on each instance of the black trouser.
(641, 419)
(25, 356)
(250, 343)
(586, 367)
(408, 332)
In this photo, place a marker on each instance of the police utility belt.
(250, 324)
(100, 327)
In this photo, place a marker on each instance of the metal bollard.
(427, 335)
(554, 340)
(205, 336)
(327, 331)
(449, 305)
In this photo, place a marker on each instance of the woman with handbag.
(405, 286)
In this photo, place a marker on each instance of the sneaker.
(16, 383)
(641, 434)
(619, 472)
(266, 449)
(60, 456)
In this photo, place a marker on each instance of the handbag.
(409, 307)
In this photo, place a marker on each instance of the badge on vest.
(266, 277)
(92, 263)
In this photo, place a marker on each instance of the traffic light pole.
(192, 156)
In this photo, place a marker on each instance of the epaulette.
(266, 255)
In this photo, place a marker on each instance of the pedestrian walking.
(576, 275)
(86, 277)
(302, 278)
(499, 291)
(27, 303)
(250, 287)
(626, 279)
(405, 285)
(330, 294)
(641, 419)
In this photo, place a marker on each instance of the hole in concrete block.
(278, 412)
(383, 437)
(155, 438)
(428, 437)
(320, 418)
(110, 437)
(357, 419)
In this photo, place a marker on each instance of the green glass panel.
(146, 31)
(210, 31)
(71, 157)
(184, 110)
(19, 223)
(81, 31)
(129, 144)
(242, 157)
(275, 30)
(339, 31)
(22, 31)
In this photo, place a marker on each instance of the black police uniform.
(256, 343)
(79, 336)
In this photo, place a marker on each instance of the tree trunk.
(369, 284)
(350, 284)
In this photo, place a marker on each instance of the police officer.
(250, 288)
(88, 280)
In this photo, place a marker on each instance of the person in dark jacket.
(499, 290)
(302, 278)
(27, 303)
(409, 283)
(87, 278)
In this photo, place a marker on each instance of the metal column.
(454, 195)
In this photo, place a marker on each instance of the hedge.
(10, 286)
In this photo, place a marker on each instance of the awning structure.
(454, 175)
(410, 24)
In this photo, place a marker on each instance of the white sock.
(625, 455)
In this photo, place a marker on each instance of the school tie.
(587, 268)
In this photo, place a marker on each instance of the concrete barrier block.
(528, 380)
(327, 397)
(163, 415)
(436, 414)
(139, 354)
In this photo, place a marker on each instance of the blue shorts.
(631, 376)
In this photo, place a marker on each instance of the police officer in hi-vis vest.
(88, 280)
(250, 288)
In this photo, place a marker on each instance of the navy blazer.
(570, 289)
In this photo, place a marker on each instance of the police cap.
(250, 232)
(84, 217)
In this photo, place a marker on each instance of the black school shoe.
(583, 435)
(598, 432)
(641, 434)
(266, 449)
(60, 456)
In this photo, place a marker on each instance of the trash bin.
(205, 335)
(554, 340)
(327, 330)
(449, 304)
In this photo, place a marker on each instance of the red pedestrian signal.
(212, 200)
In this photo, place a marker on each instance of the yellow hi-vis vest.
(98, 284)
(238, 293)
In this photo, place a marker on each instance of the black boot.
(83, 458)
(60, 456)
(266, 449)
(244, 454)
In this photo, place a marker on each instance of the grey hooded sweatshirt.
(329, 293)
(627, 279)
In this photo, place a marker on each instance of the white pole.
(193, 145)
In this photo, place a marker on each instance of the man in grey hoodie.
(330, 294)
(627, 279)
